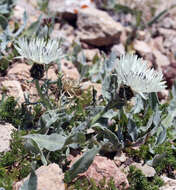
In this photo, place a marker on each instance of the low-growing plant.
(119, 85)
(20, 116)
(137, 180)
(16, 163)
(63, 121)
(90, 184)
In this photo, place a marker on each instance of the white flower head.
(135, 73)
(38, 50)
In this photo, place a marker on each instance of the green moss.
(142, 153)
(19, 116)
(15, 164)
(8, 111)
(138, 181)
(168, 163)
(90, 184)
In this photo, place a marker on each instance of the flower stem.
(44, 100)
(119, 103)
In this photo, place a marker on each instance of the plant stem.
(97, 117)
(119, 103)
(44, 100)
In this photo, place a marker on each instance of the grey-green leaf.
(82, 164)
(161, 137)
(3, 22)
(108, 134)
(51, 142)
(31, 183)
(132, 129)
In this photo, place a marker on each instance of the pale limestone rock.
(161, 59)
(52, 74)
(48, 178)
(168, 22)
(68, 8)
(148, 171)
(69, 70)
(169, 38)
(142, 47)
(157, 43)
(6, 130)
(90, 53)
(163, 96)
(86, 85)
(120, 158)
(141, 35)
(30, 7)
(14, 89)
(66, 32)
(97, 28)
(170, 184)
(103, 167)
(118, 49)
(20, 71)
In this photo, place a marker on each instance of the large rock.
(97, 28)
(29, 7)
(142, 47)
(14, 89)
(169, 38)
(86, 85)
(104, 168)
(90, 53)
(69, 8)
(48, 178)
(170, 184)
(118, 49)
(65, 32)
(5, 136)
(161, 59)
(148, 171)
(69, 70)
(20, 72)
(170, 74)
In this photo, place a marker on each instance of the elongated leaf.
(80, 128)
(139, 105)
(119, 7)
(149, 123)
(105, 88)
(22, 27)
(48, 118)
(174, 90)
(110, 62)
(132, 129)
(3, 9)
(167, 122)
(158, 158)
(3, 22)
(75, 138)
(108, 134)
(82, 164)
(31, 183)
(153, 100)
(158, 16)
(35, 148)
(161, 137)
(34, 27)
(110, 114)
(51, 142)
(157, 117)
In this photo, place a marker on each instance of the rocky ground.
(99, 30)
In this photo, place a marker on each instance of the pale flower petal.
(134, 72)
(38, 50)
